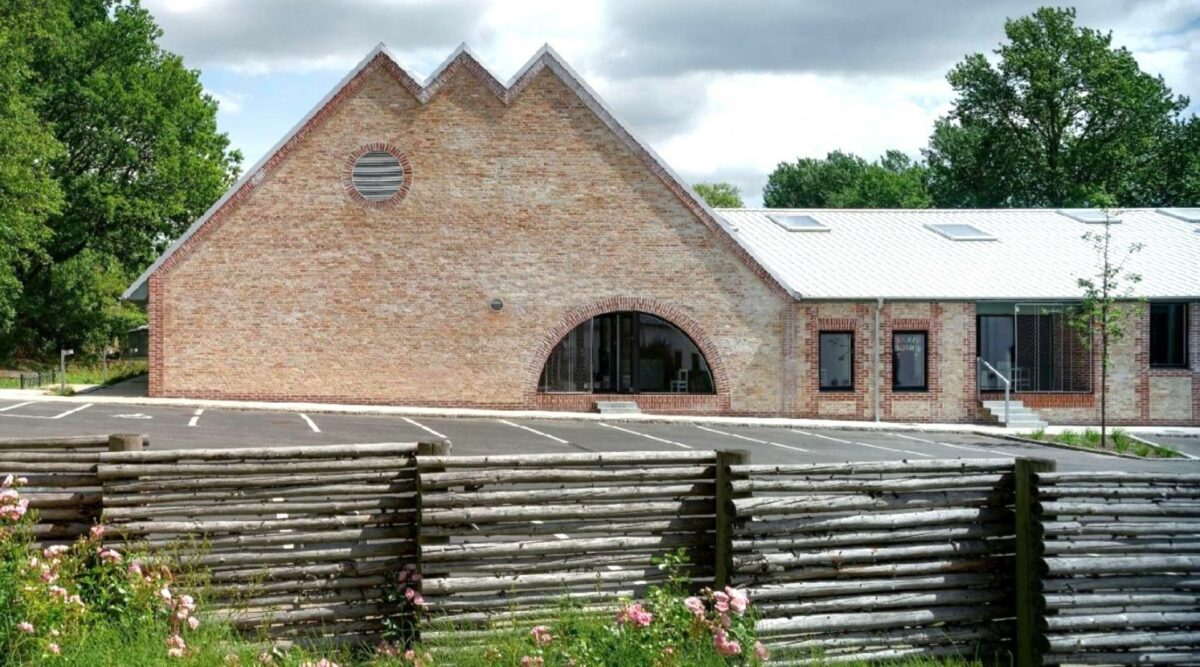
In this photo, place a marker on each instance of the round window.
(377, 175)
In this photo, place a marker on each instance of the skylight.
(961, 232)
(794, 222)
(1185, 214)
(1091, 216)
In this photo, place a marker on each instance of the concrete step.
(1031, 424)
(618, 408)
(1019, 416)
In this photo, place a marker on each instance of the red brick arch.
(666, 311)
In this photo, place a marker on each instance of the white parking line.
(947, 444)
(195, 416)
(645, 435)
(18, 405)
(311, 424)
(742, 437)
(60, 415)
(863, 444)
(534, 430)
(85, 406)
(426, 428)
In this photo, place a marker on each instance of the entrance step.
(1019, 416)
(617, 408)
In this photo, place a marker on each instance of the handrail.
(1007, 383)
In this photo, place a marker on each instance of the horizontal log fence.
(993, 559)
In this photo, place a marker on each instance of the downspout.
(876, 358)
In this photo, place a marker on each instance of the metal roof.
(1037, 255)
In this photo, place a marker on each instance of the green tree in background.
(720, 195)
(28, 192)
(140, 159)
(1059, 113)
(845, 180)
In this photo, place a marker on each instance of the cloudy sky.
(722, 90)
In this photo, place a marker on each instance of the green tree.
(845, 180)
(142, 159)
(720, 195)
(28, 192)
(1059, 114)
(1107, 304)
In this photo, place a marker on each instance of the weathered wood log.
(1122, 565)
(1082, 600)
(586, 546)
(615, 528)
(1130, 658)
(1136, 583)
(1165, 528)
(882, 537)
(776, 561)
(355, 535)
(226, 469)
(70, 499)
(399, 550)
(1132, 546)
(1071, 643)
(267, 481)
(44, 481)
(580, 511)
(534, 564)
(24, 469)
(56, 442)
(295, 600)
(890, 485)
(838, 571)
(1111, 477)
(1128, 620)
(257, 575)
(534, 496)
(456, 603)
(904, 637)
(878, 467)
(548, 612)
(1149, 492)
(321, 491)
(443, 480)
(835, 588)
(396, 449)
(318, 613)
(876, 520)
(12, 458)
(1119, 509)
(510, 461)
(451, 585)
(812, 504)
(206, 527)
(288, 506)
(884, 656)
(871, 621)
(908, 599)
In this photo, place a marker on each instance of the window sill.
(836, 390)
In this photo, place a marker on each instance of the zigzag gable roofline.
(461, 57)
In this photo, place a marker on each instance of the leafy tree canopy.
(845, 180)
(1058, 113)
(130, 156)
(720, 195)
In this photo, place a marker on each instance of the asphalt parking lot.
(177, 427)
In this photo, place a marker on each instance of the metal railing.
(981, 364)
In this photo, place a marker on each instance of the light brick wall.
(303, 293)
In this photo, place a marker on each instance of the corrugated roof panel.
(1092, 216)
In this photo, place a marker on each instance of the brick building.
(462, 242)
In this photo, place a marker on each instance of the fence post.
(1029, 549)
(427, 448)
(126, 442)
(726, 515)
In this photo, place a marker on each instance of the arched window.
(626, 353)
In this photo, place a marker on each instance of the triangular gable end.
(462, 57)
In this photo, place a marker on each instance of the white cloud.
(227, 102)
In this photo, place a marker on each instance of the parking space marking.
(18, 405)
(646, 435)
(311, 424)
(534, 430)
(742, 437)
(425, 428)
(195, 416)
(947, 444)
(60, 415)
(863, 444)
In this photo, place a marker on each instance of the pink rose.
(541, 635)
(635, 615)
(760, 651)
(26, 627)
(532, 661)
(695, 605)
(97, 532)
(725, 646)
(53, 648)
(193, 623)
(738, 600)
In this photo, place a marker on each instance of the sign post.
(62, 369)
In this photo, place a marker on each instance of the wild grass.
(1118, 440)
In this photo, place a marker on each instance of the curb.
(1182, 458)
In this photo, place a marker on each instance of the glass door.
(996, 338)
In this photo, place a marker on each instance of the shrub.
(1121, 440)
(1091, 438)
(1069, 438)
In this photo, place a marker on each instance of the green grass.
(1118, 441)
(91, 373)
(1039, 434)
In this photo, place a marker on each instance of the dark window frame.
(1184, 337)
(820, 383)
(924, 361)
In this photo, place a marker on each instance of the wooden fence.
(1120, 567)
(984, 558)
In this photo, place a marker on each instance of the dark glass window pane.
(837, 360)
(908, 360)
(569, 365)
(1168, 334)
(668, 361)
